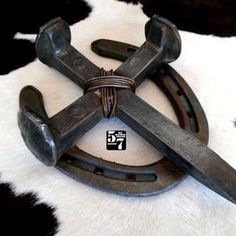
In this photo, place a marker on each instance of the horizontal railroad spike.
(48, 138)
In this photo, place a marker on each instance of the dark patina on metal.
(51, 139)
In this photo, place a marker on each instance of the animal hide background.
(216, 17)
(43, 201)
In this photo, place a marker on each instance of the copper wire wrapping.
(107, 83)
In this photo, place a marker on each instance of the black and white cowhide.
(216, 17)
(38, 200)
(23, 214)
(28, 17)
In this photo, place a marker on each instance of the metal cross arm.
(50, 138)
(181, 148)
(53, 47)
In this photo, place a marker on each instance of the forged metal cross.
(51, 139)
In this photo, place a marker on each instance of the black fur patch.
(23, 215)
(27, 17)
(216, 17)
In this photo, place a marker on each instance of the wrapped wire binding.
(107, 83)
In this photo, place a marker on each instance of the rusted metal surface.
(189, 112)
(48, 138)
(144, 180)
(56, 136)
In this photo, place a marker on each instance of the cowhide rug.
(39, 200)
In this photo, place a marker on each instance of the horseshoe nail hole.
(129, 49)
(179, 93)
(163, 72)
(131, 177)
(98, 171)
(190, 114)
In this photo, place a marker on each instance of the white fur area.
(208, 65)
